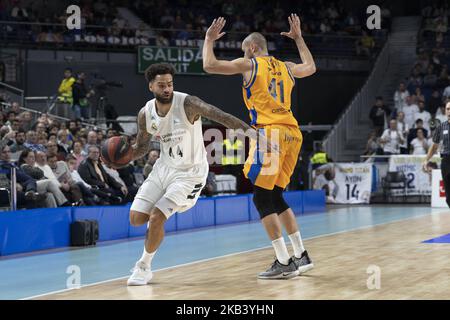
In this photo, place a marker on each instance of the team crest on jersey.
(154, 127)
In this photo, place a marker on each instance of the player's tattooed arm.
(142, 145)
(196, 107)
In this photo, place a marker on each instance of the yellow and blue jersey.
(267, 94)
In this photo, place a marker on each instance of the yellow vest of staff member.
(267, 94)
(235, 158)
(65, 90)
(319, 158)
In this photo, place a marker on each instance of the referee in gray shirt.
(442, 133)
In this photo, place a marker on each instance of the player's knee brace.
(278, 201)
(262, 199)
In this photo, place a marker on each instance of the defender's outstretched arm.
(210, 63)
(308, 67)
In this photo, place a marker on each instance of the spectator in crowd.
(446, 93)
(64, 144)
(26, 120)
(62, 174)
(42, 138)
(53, 147)
(440, 113)
(416, 78)
(129, 196)
(15, 107)
(400, 97)
(373, 146)
(152, 157)
(78, 153)
(93, 173)
(15, 125)
(418, 96)
(443, 80)
(378, 114)
(424, 115)
(32, 143)
(27, 194)
(10, 117)
(111, 133)
(429, 80)
(404, 129)
(410, 109)
(101, 137)
(435, 101)
(91, 141)
(70, 192)
(40, 128)
(126, 173)
(419, 145)
(413, 132)
(73, 129)
(45, 119)
(55, 197)
(19, 141)
(391, 139)
(365, 45)
(80, 97)
(91, 194)
(65, 87)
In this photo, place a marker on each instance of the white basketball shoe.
(141, 275)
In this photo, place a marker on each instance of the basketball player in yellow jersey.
(267, 87)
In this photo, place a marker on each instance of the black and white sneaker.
(280, 271)
(304, 263)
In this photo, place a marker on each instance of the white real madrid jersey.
(181, 141)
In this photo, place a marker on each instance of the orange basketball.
(116, 151)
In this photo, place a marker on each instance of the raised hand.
(295, 31)
(214, 31)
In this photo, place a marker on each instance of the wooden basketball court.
(409, 269)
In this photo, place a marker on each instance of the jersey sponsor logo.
(289, 138)
(280, 110)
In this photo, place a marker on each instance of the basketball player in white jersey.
(179, 175)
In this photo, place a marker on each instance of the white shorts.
(170, 190)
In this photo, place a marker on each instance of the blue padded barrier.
(232, 209)
(295, 200)
(113, 221)
(313, 201)
(171, 224)
(39, 229)
(35, 229)
(201, 215)
(254, 215)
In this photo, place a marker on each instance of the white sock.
(147, 257)
(281, 250)
(297, 244)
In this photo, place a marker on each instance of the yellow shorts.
(267, 170)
